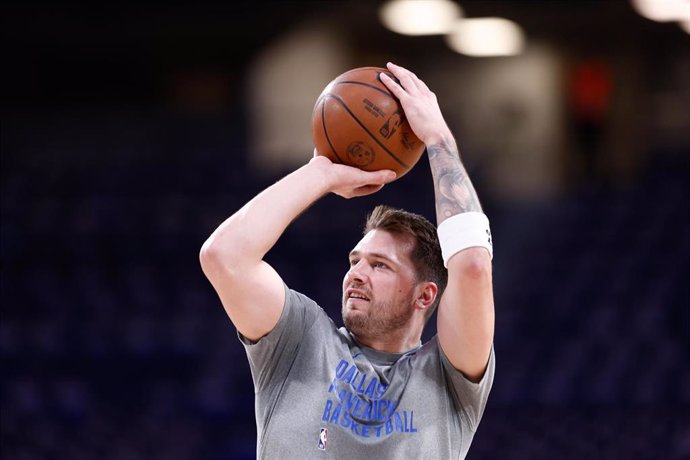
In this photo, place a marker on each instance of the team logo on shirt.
(357, 401)
(323, 439)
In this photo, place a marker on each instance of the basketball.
(358, 122)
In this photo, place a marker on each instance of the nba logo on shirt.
(323, 438)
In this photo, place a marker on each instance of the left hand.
(348, 181)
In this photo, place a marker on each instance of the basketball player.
(370, 389)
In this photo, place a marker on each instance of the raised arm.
(466, 310)
(251, 291)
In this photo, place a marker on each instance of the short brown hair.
(426, 252)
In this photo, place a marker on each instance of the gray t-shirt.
(319, 394)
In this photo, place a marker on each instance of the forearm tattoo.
(454, 191)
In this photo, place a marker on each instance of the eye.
(353, 262)
(379, 265)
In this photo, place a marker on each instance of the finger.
(383, 176)
(410, 79)
(390, 176)
(392, 85)
(360, 191)
(405, 76)
(367, 190)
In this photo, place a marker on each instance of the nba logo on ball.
(323, 438)
(391, 125)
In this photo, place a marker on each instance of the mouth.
(357, 295)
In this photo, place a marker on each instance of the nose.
(357, 273)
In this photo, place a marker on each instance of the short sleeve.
(470, 397)
(272, 355)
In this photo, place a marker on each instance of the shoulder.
(300, 313)
(431, 356)
(302, 310)
(297, 299)
(299, 304)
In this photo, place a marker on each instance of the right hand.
(348, 181)
(419, 103)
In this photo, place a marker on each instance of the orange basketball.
(357, 121)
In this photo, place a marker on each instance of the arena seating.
(114, 346)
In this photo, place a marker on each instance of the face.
(378, 289)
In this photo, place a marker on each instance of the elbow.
(219, 258)
(208, 256)
(473, 263)
(212, 258)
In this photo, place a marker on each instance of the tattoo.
(454, 191)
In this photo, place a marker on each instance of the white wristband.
(462, 231)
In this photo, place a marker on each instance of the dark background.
(115, 168)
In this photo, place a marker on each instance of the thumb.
(383, 176)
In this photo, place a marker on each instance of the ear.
(426, 295)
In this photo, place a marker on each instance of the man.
(369, 389)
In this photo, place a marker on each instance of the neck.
(393, 342)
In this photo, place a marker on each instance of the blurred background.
(130, 131)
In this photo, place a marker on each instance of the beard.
(379, 319)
